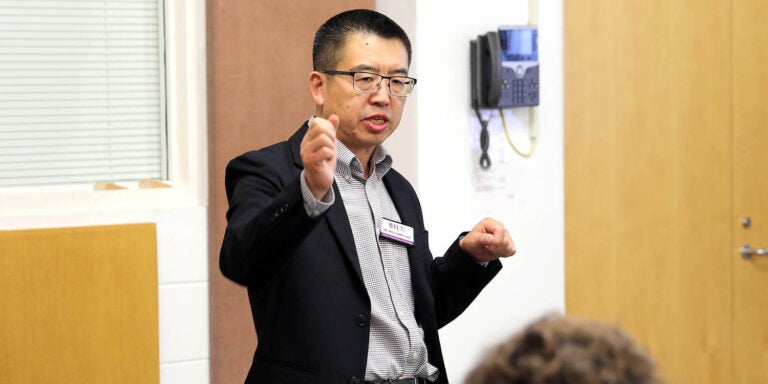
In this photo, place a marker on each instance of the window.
(82, 91)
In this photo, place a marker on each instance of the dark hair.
(331, 36)
(565, 350)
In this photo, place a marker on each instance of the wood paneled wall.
(79, 305)
(259, 59)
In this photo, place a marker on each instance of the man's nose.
(382, 94)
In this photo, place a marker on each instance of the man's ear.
(317, 86)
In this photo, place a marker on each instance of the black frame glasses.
(368, 82)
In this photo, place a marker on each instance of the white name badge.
(397, 232)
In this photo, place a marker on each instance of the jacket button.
(354, 380)
(361, 320)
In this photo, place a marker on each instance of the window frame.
(187, 153)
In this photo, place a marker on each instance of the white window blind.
(82, 91)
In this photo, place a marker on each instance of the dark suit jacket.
(310, 306)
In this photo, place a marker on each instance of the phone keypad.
(519, 90)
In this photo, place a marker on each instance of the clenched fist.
(318, 152)
(488, 241)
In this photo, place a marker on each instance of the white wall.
(437, 143)
(180, 213)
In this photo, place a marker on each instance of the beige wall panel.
(259, 59)
(79, 305)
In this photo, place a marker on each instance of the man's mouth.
(378, 120)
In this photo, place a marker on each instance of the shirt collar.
(348, 165)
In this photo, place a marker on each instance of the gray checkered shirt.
(396, 347)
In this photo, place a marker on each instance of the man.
(330, 241)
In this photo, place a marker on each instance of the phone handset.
(486, 70)
(493, 46)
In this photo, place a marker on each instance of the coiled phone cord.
(485, 160)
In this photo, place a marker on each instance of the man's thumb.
(334, 119)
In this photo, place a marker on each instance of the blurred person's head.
(559, 349)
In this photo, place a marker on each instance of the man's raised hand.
(488, 241)
(318, 152)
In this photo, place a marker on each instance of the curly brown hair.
(559, 349)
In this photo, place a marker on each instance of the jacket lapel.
(336, 216)
(403, 204)
(409, 215)
(338, 222)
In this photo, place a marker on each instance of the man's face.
(366, 120)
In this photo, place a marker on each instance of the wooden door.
(750, 189)
(648, 173)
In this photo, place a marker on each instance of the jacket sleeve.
(266, 219)
(457, 279)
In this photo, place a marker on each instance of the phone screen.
(519, 44)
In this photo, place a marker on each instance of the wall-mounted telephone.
(505, 68)
(505, 73)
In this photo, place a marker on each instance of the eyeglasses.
(366, 82)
